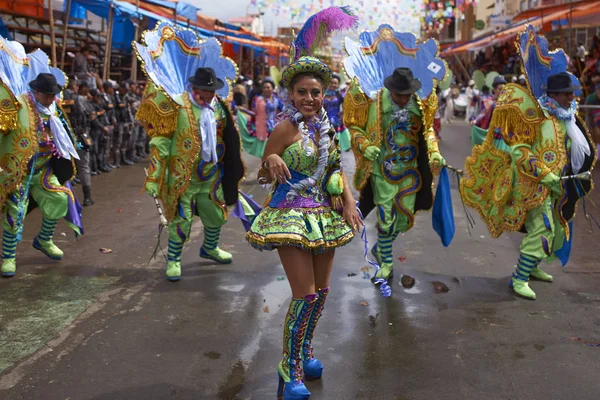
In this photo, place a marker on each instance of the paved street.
(110, 327)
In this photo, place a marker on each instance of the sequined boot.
(313, 368)
(291, 386)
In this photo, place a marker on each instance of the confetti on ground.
(266, 309)
(586, 342)
(63, 234)
(366, 270)
(281, 278)
(105, 250)
(351, 274)
(402, 259)
(364, 303)
(120, 210)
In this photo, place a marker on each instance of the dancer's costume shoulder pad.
(356, 106)
(157, 112)
(517, 116)
(9, 109)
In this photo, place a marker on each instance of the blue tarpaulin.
(123, 30)
(185, 10)
(4, 31)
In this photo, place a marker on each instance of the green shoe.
(540, 275)
(386, 272)
(218, 255)
(173, 271)
(522, 289)
(9, 267)
(48, 248)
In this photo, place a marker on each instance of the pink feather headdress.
(318, 27)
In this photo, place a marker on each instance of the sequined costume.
(333, 105)
(37, 153)
(512, 178)
(397, 181)
(308, 221)
(195, 161)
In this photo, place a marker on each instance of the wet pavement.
(109, 326)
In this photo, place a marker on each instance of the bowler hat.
(560, 83)
(206, 79)
(45, 83)
(498, 80)
(402, 81)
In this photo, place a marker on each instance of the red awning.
(543, 12)
(583, 9)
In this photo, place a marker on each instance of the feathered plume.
(318, 27)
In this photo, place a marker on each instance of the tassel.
(337, 203)
(155, 121)
(514, 126)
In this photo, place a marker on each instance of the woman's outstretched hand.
(277, 169)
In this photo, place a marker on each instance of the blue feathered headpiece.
(377, 54)
(17, 68)
(171, 54)
(538, 62)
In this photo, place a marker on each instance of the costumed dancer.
(37, 152)
(195, 161)
(264, 111)
(333, 105)
(310, 210)
(522, 177)
(481, 123)
(390, 114)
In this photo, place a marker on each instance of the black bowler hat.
(45, 83)
(498, 80)
(206, 79)
(560, 83)
(402, 81)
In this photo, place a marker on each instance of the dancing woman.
(310, 211)
(333, 105)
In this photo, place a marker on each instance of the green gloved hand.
(152, 188)
(436, 160)
(372, 152)
(552, 181)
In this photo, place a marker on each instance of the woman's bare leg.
(298, 266)
(322, 265)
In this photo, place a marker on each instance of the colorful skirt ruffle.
(315, 230)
